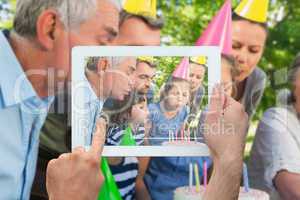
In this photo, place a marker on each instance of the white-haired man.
(34, 60)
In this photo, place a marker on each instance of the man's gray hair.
(113, 62)
(72, 13)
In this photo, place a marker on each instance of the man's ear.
(102, 65)
(47, 26)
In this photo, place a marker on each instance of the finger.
(64, 156)
(78, 150)
(228, 102)
(98, 139)
(217, 100)
(51, 166)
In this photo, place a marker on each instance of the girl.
(164, 174)
(169, 114)
(125, 170)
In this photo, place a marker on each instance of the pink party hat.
(218, 32)
(182, 70)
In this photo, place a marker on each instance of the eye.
(236, 46)
(143, 77)
(130, 70)
(254, 50)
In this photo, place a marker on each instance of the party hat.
(201, 60)
(109, 189)
(146, 8)
(182, 70)
(218, 32)
(128, 139)
(149, 59)
(254, 10)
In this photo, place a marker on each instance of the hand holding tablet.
(77, 175)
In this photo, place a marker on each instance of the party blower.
(109, 190)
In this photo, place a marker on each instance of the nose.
(147, 83)
(241, 56)
(179, 98)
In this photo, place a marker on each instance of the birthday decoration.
(218, 32)
(109, 189)
(146, 8)
(182, 70)
(201, 60)
(149, 59)
(254, 10)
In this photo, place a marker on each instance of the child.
(169, 114)
(164, 174)
(125, 170)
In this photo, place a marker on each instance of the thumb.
(98, 138)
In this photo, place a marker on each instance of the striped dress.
(126, 172)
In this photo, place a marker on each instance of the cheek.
(139, 81)
(62, 55)
(253, 61)
(107, 83)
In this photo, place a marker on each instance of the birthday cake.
(191, 193)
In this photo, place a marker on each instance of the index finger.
(217, 100)
(98, 138)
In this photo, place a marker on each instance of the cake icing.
(187, 193)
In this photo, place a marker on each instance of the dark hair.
(169, 85)
(295, 68)
(157, 23)
(92, 63)
(236, 17)
(126, 104)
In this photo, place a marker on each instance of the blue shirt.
(92, 109)
(161, 125)
(22, 114)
